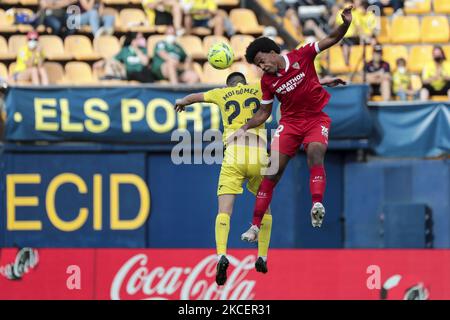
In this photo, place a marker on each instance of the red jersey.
(297, 87)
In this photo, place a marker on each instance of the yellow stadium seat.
(11, 68)
(108, 11)
(78, 72)
(417, 7)
(292, 30)
(356, 57)
(7, 21)
(376, 98)
(15, 42)
(133, 19)
(405, 29)
(268, 5)
(80, 47)
(53, 48)
(214, 76)
(248, 70)
(233, 3)
(416, 82)
(385, 31)
(435, 29)
(193, 46)
(447, 51)
(29, 2)
(10, 2)
(55, 72)
(201, 31)
(391, 53)
(198, 69)
(418, 57)
(245, 21)
(388, 11)
(440, 98)
(106, 46)
(208, 41)
(239, 43)
(441, 6)
(3, 71)
(337, 62)
(4, 53)
(152, 41)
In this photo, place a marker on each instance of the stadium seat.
(405, 30)
(4, 53)
(53, 48)
(447, 51)
(11, 68)
(3, 71)
(198, 69)
(133, 19)
(435, 29)
(239, 43)
(385, 31)
(55, 72)
(29, 2)
(245, 21)
(80, 47)
(214, 76)
(248, 70)
(440, 98)
(113, 12)
(441, 6)
(233, 3)
(337, 62)
(292, 30)
(11, 2)
(193, 46)
(417, 7)
(7, 22)
(78, 72)
(15, 42)
(268, 5)
(356, 57)
(152, 41)
(106, 46)
(392, 52)
(115, 2)
(418, 57)
(208, 41)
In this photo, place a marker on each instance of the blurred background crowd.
(398, 47)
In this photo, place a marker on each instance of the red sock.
(317, 182)
(263, 199)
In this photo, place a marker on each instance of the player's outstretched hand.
(332, 82)
(347, 15)
(179, 105)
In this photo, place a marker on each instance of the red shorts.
(290, 135)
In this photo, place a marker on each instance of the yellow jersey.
(24, 55)
(352, 29)
(400, 81)
(430, 70)
(237, 105)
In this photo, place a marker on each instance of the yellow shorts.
(241, 163)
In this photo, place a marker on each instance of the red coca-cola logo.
(138, 278)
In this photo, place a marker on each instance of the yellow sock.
(264, 235)
(222, 230)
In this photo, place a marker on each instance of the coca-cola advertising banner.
(181, 274)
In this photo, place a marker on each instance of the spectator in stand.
(170, 61)
(402, 83)
(203, 13)
(53, 14)
(397, 5)
(135, 59)
(436, 76)
(164, 12)
(29, 64)
(378, 74)
(91, 14)
(367, 23)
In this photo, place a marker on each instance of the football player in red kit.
(293, 80)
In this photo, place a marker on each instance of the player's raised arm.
(338, 33)
(189, 99)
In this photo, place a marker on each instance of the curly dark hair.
(262, 44)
